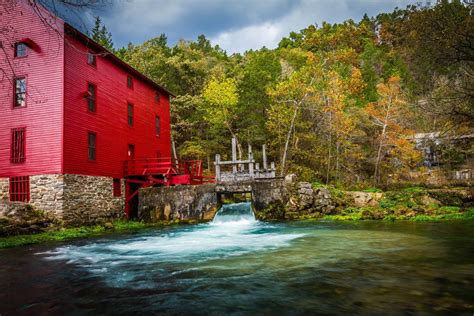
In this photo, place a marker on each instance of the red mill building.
(80, 130)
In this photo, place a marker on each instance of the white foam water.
(233, 232)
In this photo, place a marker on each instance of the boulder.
(361, 199)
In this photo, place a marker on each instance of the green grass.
(372, 190)
(413, 189)
(82, 232)
(444, 213)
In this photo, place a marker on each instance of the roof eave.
(70, 30)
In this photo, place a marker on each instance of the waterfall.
(235, 213)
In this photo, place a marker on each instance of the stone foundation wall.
(76, 199)
(4, 189)
(197, 202)
(4, 195)
(46, 193)
(89, 200)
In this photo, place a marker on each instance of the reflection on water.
(238, 265)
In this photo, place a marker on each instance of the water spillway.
(237, 213)
(233, 232)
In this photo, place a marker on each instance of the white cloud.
(269, 33)
(249, 37)
(235, 25)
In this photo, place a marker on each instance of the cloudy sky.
(235, 25)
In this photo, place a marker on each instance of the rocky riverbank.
(316, 201)
(24, 224)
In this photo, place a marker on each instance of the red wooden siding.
(42, 68)
(110, 119)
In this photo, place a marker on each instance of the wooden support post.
(257, 170)
(175, 156)
(218, 167)
(264, 153)
(251, 165)
(234, 154)
(273, 170)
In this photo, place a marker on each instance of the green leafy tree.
(101, 35)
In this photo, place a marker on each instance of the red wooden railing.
(142, 173)
(179, 172)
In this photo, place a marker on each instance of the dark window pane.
(20, 189)
(129, 82)
(21, 50)
(157, 125)
(91, 58)
(91, 146)
(117, 188)
(157, 97)
(130, 114)
(20, 92)
(91, 99)
(18, 146)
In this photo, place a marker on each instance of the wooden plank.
(264, 153)
(234, 154)
(218, 167)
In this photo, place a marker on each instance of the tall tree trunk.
(290, 130)
(288, 137)
(329, 148)
(337, 159)
(382, 142)
(379, 156)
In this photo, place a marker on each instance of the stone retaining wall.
(201, 202)
(198, 202)
(267, 193)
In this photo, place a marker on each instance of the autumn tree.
(387, 114)
(219, 108)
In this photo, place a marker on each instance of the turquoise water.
(237, 265)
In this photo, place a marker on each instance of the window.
(21, 50)
(91, 97)
(91, 145)
(20, 92)
(18, 145)
(130, 82)
(91, 58)
(20, 189)
(157, 125)
(130, 114)
(117, 188)
(157, 97)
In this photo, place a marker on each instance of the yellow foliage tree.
(387, 114)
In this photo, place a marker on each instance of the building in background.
(72, 115)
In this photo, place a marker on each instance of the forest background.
(335, 103)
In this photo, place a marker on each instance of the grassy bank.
(445, 213)
(120, 226)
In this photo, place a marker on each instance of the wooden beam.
(218, 167)
(234, 154)
(264, 153)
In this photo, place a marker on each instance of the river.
(237, 265)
